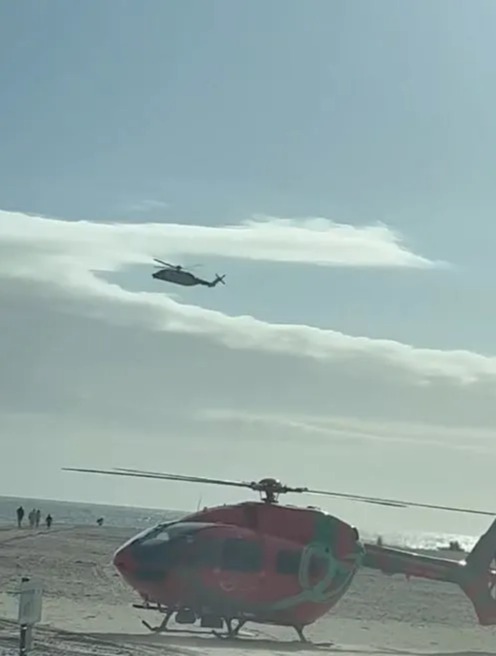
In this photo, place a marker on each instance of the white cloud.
(335, 429)
(78, 390)
(64, 255)
(99, 375)
(314, 241)
(146, 205)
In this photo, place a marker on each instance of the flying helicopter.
(267, 563)
(177, 275)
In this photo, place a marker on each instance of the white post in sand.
(30, 603)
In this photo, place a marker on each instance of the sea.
(85, 514)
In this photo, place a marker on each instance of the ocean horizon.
(70, 513)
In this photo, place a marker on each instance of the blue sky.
(357, 111)
(206, 114)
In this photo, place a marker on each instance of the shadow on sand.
(180, 644)
(201, 642)
(255, 643)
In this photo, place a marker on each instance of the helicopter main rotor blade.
(159, 476)
(399, 503)
(187, 479)
(253, 485)
(167, 264)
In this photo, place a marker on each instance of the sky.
(335, 159)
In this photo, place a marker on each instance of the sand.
(87, 608)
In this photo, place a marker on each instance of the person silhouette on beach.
(48, 520)
(20, 516)
(37, 517)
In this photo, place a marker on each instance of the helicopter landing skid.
(232, 631)
(301, 635)
(163, 628)
(160, 628)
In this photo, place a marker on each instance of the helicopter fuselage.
(178, 277)
(275, 564)
(254, 561)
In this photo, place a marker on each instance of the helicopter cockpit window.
(157, 537)
(288, 562)
(175, 532)
(242, 555)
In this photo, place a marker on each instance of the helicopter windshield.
(170, 531)
(156, 551)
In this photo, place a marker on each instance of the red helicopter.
(275, 564)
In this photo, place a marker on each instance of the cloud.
(62, 256)
(93, 374)
(335, 429)
(147, 205)
(314, 241)
(78, 389)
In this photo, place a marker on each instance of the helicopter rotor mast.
(271, 488)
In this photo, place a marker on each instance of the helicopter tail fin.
(218, 279)
(478, 580)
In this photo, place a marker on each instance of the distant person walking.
(31, 518)
(20, 516)
(48, 520)
(37, 517)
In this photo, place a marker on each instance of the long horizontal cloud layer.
(314, 241)
(348, 429)
(93, 374)
(80, 390)
(34, 249)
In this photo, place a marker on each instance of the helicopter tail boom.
(391, 561)
(474, 575)
(217, 280)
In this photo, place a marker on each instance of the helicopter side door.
(243, 566)
(237, 564)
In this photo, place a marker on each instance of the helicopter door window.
(242, 555)
(318, 566)
(288, 562)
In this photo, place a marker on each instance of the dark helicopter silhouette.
(177, 275)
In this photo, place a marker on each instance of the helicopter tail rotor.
(219, 279)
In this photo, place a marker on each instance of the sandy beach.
(87, 608)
